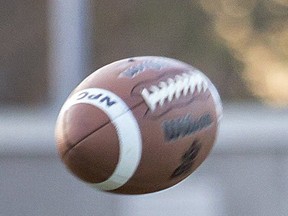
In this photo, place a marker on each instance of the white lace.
(180, 85)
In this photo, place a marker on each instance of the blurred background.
(48, 47)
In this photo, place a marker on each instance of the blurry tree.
(256, 33)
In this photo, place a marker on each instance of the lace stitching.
(174, 88)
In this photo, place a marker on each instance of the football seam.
(95, 130)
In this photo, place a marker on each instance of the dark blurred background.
(238, 44)
(47, 47)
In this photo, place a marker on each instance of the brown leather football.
(138, 125)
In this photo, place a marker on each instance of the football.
(138, 125)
